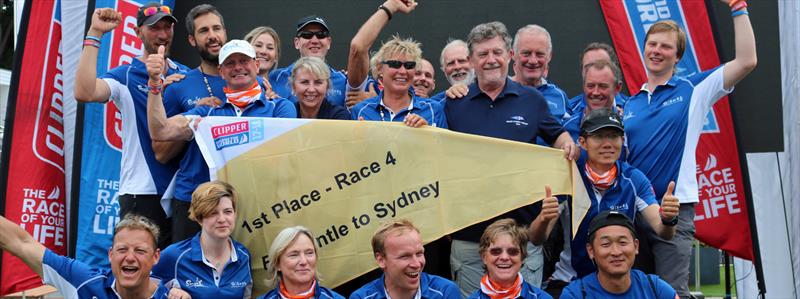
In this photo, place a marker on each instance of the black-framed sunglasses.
(396, 64)
(310, 34)
(510, 251)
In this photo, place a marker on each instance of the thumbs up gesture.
(669, 203)
(155, 64)
(549, 205)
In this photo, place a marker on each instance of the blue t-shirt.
(281, 85)
(432, 287)
(74, 279)
(192, 88)
(519, 113)
(140, 172)
(319, 293)
(662, 130)
(643, 286)
(556, 99)
(440, 97)
(193, 168)
(373, 109)
(184, 265)
(528, 292)
(630, 193)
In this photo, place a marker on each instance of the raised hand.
(457, 91)
(404, 6)
(670, 203)
(549, 205)
(155, 64)
(355, 97)
(104, 20)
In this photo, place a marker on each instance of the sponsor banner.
(36, 199)
(341, 179)
(102, 142)
(721, 215)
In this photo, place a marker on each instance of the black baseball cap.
(161, 12)
(609, 218)
(312, 19)
(601, 118)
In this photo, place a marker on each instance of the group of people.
(635, 155)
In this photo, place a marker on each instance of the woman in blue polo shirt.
(211, 264)
(502, 250)
(292, 270)
(311, 80)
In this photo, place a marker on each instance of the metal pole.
(727, 275)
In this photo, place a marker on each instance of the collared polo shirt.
(557, 100)
(430, 287)
(328, 111)
(184, 265)
(528, 292)
(74, 279)
(662, 130)
(642, 286)
(374, 109)
(192, 88)
(319, 293)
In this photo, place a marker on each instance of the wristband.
(739, 13)
(734, 2)
(156, 88)
(91, 43)
(739, 6)
(667, 222)
(388, 12)
(92, 37)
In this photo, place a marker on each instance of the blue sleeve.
(356, 295)
(284, 109)
(663, 289)
(58, 270)
(440, 119)
(542, 294)
(336, 295)
(572, 291)
(354, 111)
(451, 291)
(198, 110)
(643, 187)
(165, 268)
(117, 73)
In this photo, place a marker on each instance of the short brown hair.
(134, 222)
(207, 196)
(387, 227)
(504, 226)
(669, 26)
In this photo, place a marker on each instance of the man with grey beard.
(456, 66)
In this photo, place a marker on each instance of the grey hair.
(487, 31)
(601, 65)
(450, 44)
(283, 240)
(534, 29)
(315, 65)
(199, 11)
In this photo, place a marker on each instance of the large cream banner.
(341, 179)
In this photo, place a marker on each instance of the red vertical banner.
(721, 214)
(35, 181)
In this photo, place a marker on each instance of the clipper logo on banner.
(721, 215)
(36, 200)
(237, 133)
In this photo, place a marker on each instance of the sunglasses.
(310, 34)
(155, 9)
(499, 251)
(396, 64)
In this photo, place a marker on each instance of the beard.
(466, 80)
(206, 56)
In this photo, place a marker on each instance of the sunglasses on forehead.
(396, 64)
(310, 34)
(509, 251)
(155, 9)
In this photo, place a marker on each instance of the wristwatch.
(670, 222)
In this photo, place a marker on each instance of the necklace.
(205, 79)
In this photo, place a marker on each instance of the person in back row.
(398, 250)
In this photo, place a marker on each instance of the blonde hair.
(669, 26)
(137, 222)
(388, 227)
(258, 31)
(504, 226)
(206, 198)
(315, 65)
(395, 46)
(282, 241)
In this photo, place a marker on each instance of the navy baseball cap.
(153, 12)
(601, 118)
(609, 218)
(312, 19)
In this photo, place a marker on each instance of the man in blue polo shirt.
(398, 250)
(664, 122)
(611, 185)
(600, 85)
(143, 180)
(532, 52)
(496, 106)
(612, 244)
(245, 98)
(313, 38)
(593, 52)
(132, 254)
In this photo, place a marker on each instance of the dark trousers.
(148, 206)
(182, 227)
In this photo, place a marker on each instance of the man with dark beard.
(202, 86)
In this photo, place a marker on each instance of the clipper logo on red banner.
(125, 47)
(48, 136)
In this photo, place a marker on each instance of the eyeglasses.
(310, 34)
(499, 251)
(396, 64)
(155, 9)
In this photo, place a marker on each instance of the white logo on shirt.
(672, 101)
(517, 120)
(195, 284)
(238, 284)
(622, 207)
(143, 88)
(628, 115)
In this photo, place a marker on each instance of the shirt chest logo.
(143, 88)
(628, 114)
(198, 283)
(672, 101)
(238, 284)
(517, 121)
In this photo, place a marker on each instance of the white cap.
(236, 46)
